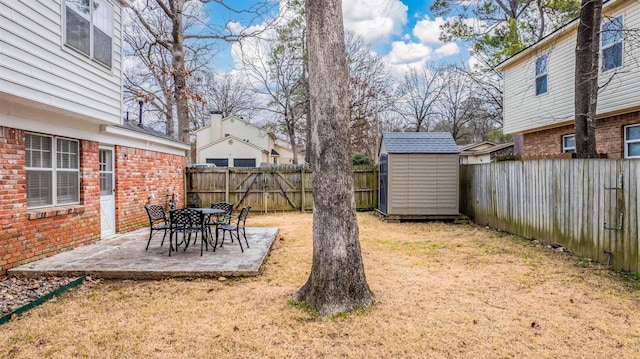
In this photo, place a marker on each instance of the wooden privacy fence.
(270, 189)
(589, 206)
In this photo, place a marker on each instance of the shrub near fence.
(270, 189)
(589, 206)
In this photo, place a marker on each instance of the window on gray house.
(612, 41)
(53, 171)
(569, 144)
(89, 28)
(244, 162)
(219, 162)
(541, 75)
(632, 141)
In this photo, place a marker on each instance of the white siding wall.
(203, 137)
(245, 131)
(475, 159)
(286, 155)
(36, 67)
(524, 111)
(230, 151)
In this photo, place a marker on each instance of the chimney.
(216, 125)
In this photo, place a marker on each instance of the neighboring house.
(539, 88)
(71, 170)
(234, 142)
(484, 152)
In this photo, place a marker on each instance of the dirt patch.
(444, 291)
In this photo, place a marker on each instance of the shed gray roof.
(419, 142)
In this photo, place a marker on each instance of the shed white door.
(107, 195)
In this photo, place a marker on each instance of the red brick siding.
(609, 137)
(27, 235)
(144, 177)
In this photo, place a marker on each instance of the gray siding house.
(418, 174)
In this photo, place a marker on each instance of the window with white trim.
(611, 38)
(632, 141)
(569, 144)
(88, 28)
(53, 171)
(541, 75)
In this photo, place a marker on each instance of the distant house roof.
(419, 142)
(483, 148)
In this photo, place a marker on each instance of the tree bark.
(180, 74)
(586, 78)
(337, 281)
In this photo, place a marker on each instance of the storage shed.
(418, 175)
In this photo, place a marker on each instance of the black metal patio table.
(209, 212)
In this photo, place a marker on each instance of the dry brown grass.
(444, 291)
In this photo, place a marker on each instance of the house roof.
(419, 142)
(135, 126)
(469, 151)
(542, 42)
(471, 146)
(238, 140)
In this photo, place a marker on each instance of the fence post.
(302, 190)
(226, 185)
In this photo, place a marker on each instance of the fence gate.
(269, 189)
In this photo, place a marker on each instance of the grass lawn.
(444, 291)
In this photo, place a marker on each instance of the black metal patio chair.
(220, 219)
(186, 221)
(157, 221)
(236, 226)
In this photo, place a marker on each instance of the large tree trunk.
(586, 77)
(337, 281)
(179, 72)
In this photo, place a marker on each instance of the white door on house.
(107, 193)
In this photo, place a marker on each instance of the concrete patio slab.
(124, 256)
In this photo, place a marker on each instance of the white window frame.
(54, 171)
(91, 30)
(567, 149)
(604, 47)
(627, 141)
(541, 75)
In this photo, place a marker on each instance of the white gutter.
(123, 132)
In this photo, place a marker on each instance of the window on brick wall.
(632, 141)
(569, 144)
(53, 171)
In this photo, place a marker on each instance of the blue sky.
(403, 32)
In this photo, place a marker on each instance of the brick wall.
(27, 235)
(144, 177)
(609, 137)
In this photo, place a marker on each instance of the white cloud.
(448, 49)
(375, 20)
(413, 54)
(428, 31)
